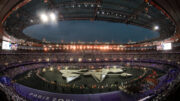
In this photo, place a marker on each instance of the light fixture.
(51, 69)
(156, 27)
(31, 21)
(52, 16)
(85, 5)
(44, 18)
(48, 17)
(92, 5)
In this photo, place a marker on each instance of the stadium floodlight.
(156, 27)
(44, 18)
(53, 17)
(31, 21)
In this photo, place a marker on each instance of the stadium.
(89, 50)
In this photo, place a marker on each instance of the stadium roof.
(16, 15)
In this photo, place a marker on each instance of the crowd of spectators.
(10, 60)
(10, 94)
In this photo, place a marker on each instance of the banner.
(39, 95)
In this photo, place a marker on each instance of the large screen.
(6, 45)
(167, 46)
(164, 46)
(9, 46)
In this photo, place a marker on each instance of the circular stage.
(73, 80)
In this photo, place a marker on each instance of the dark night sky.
(89, 31)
